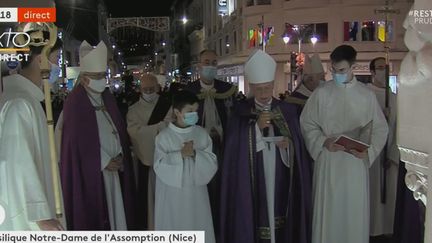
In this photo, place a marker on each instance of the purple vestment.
(299, 95)
(80, 164)
(244, 216)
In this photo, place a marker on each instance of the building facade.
(234, 28)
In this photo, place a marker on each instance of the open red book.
(350, 143)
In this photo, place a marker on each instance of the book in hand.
(350, 144)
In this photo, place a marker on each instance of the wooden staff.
(45, 71)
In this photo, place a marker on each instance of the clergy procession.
(321, 165)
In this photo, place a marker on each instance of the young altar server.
(184, 164)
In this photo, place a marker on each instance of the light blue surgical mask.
(208, 72)
(191, 118)
(54, 73)
(340, 78)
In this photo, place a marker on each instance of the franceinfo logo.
(421, 16)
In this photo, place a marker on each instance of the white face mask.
(97, 85)
(149, 97)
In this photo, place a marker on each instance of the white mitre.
(93, 59)
(260, 68)
(313, 65)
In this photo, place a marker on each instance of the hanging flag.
(381, 31)
(269, 35)
(260, 37)
(251, 38)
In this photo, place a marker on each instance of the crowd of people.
(203, 156)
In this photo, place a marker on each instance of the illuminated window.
(306, 32)
(367, 31)
(350, 31)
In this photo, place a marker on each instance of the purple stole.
(80, 168)
(244, 214)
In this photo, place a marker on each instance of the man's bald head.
(149, 84)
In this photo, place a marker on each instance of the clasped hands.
(188, 149)
(116, 163)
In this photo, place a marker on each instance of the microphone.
(266, 132)
(266, 129)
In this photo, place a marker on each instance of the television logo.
(13, 42)
(421, 16)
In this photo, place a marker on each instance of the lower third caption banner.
(102, 236)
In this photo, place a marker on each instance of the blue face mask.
(208, 72)
(54, 73)
(191, 118)
(340, 78)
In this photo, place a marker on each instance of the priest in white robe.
(26, 189)
(341, 178)
(145, 119)
(184, 164)
(383, 212)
